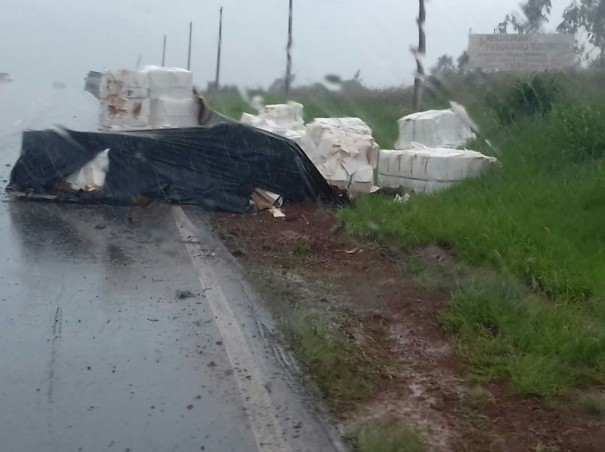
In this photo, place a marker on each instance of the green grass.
(543, 348)
(302, 247)
(593, 404)
(537, 224)
(342, 370)
(380, 109)
(536, 314)
(388, 439)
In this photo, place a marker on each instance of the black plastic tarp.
(217, 167)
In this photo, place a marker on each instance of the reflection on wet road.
(134, 332)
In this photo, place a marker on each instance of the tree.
(444, 68)
(463, 61)
(587, 16)
(535, 15)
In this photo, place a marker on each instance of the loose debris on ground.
(370, 335)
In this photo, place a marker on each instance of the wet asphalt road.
(99, 353)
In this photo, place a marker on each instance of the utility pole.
(218, 55)
(419, 54)
(189, 53)
(289, 53)
(164, 53)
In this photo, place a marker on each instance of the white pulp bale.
(433, 128)
(286, 116)
(169, 82)
(167, 112)
(427, 170)
(344, 152)
(117, 113)
(285, 120)
(92, 174)
(124, 78)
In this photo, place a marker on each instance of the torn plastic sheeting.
(216, 167)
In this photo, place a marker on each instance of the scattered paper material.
(277, 212)
(264, 200)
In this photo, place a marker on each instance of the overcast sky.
(44, 40)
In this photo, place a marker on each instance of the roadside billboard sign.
(521, 53)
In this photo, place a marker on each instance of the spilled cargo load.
(217, 167)
(342, 149)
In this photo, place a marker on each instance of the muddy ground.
(307, 258)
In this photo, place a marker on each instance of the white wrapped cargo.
(169, 82)
(124, 93)
(349, 125)
(433, 128)
(285, 120)
(280, 116)
(154, 97)
(286, 116)
(167, 112)
(92, 175)
(343, 149)
(124, 78)
(118, 113)
(427, 170)
(344, 152)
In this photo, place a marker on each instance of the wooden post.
(419, 54)
(164, 53)
(218, 54)
(289, 52)
(189, 53)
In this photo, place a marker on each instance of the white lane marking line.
(256, 399)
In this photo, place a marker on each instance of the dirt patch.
(316, 262)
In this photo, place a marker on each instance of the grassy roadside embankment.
(537, 318)
(527, 281)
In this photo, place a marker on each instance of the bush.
(580, 131)
(536, 96)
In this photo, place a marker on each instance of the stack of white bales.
(426, 158)
(285, 120)
(154, 97)
(343, 149)
(124, 96)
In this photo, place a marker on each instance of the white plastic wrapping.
(169, 82)
(286, 116)
(124, 78)
(427, 170)
(154, 97)
(285, 120)
(344, 151)
(92, 175)
(114, 90)
(125, 113)
(168, 112)
(433, 128)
